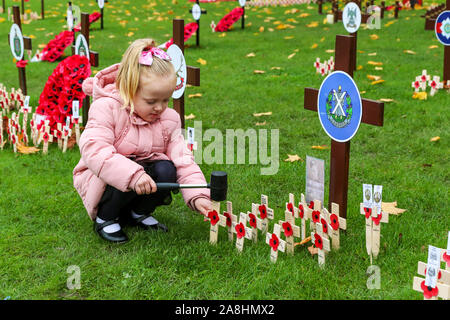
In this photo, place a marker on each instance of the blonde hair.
(130, 70)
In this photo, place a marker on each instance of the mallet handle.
(173, 186)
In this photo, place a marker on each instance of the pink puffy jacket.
(113, 137)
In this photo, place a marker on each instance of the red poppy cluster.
(262, 211)
(316, 216)
(318, 243)
(252, 221)
(311, 205)
(62, 87)
(334, 221)
(21, 63)
(301, 211)
(324, 226)
(55, 48)
(290, 208)
(429, 292)
(227, 21)
(213, 217)
(377, 219)
(228, 216)
(92, 18)
(189, 30)
(274, 242)
(287, 229)
(240, 230)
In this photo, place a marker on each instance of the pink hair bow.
(146, 57)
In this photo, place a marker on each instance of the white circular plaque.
(69, 19)
(16, 42)
(242, 3)
(101, 3)
(81, 46)
(179, 65)
(196, 12)
(351, 17)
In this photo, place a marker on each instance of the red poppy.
(228, 216)
(213, 217)
(240, 230)
(301, 211)
(252, 221)
(334, 221)
(368, 212)
(46, 137)
(287, 229)
(446, 258)
(274, 242)
(324, 225)
(316, 216)
(21, 63)
(318, 241)
(58, 134)
(429, 292)
(377, 219)
(290, 207)
(311, 205)
(262, 211)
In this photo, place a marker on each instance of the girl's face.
(153, 95)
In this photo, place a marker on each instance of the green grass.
(44, 227)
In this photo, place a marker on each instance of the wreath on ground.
(62, 87)
(55, 48)
(227, 21)
(92, 18)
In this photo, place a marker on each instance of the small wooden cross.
(45, 136)
(321, 243)
(372, 113)
(216, 220)
(231, 219)
(274, 241)
(304, 213)
(316, 215)
(27, 46)
(290, 206)
(242, 232)
(442, 288)
(66, 134)
(265, 213)
(445, 255)
(93, 60)
(335, 223)
(193, 73)
(198, 22)
(290, 231)
(254, 222)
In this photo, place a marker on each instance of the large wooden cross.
(27, 46)
(447, 55)
(93, 59)
(193, 73)
(372, 113)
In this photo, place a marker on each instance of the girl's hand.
(145, 185)
(203, 206)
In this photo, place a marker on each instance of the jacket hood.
(103, 84)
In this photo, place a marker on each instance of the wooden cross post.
(445, 255)
(372, 113)
(216, 220)
(447, 55)
(42, 10)
(397, 8)
(231, 220)
(242, 17)
(383, 8)
(27, 46)
(274, 241)
(198, 22)
(319, 4)
(4, 6)
(193, 73)
(255, 222)
(290, 231)
(442, 288)
(290, 206)
(242, 232)
(265, 213)
(336, 223)
(93, 59)
(304, 213)
(316, 215)
(321, 243)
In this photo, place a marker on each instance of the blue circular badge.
(339, 106)
(442, 28)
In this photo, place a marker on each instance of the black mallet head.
(218, 185)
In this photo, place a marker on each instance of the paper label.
(196, 12)
(315, 179)
(377, 199)
(75, 109)
(39, 118)
(367, 195)
(433, 264)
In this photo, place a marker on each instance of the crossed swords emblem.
(338, 98)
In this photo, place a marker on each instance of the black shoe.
(158, 226)
(116, 237)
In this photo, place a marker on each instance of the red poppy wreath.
(55, 48)
(227, 21)
(92, 18)
(189, 30)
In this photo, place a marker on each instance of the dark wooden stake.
(193, 73)
(198, 24)
(447, 55)
(242, 18)
(320, 3)
(372, 113)
(23, 7)
(42, 10)
(383, 8)
(4, 6)
(101, 19)
(397, 8)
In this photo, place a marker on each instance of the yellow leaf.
(250, 55)
(315, 45)
(262, 114)
(378, 68)
(304, 15)
(41, 46)
(259, 71)
(420, 95)
(322, 39)
(277, 22)
(270, 29)
(433, 47)
(360, 67)
(281, 26)
(373, 78)
(288, 37)
(329, 51)
(373, 63)
(195, 95)
(291, 55)
(130, 34)
(376, 82)
(293, 158)
(111, 36)
(386, 100)
(306, 240)
(372, 54)
(409, 51)
(275, 68)
(292, 20)
(223, 34)
(374, 37)
(322, 147)
(189, 117)
(201, 61)
(260, 123)
(26, 150)
(261, 29)
(312, 24)
(2, 20)
(435, 139)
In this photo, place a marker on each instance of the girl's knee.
(165, 171)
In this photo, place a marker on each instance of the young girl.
(131, 141)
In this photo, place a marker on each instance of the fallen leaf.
(261, 29)
(391, 208)
(374, 37)
(270, 29)
(223, 34)
(373, 78)
(281, 26)
(262, 114)
(260, 123)
(288, 37)
(293, 158)
(275, 68)
(111, 36)
(130, 34)
(26, 150)
(329, 51)
(195, 95)
(374, 63)
(304, 15)
(360, 67)
(378, 68)
(250, 55)
(315, 45)
(2, 20)
(201, 61)
(386, 100)
(189, 117)
(313, 250)
(322, 147)
(372, 54)
(409, 52)
(420, 95)
(259, 71)
(312, 24)
(291, 55)
(376, 82)
(425, 165)
(41, 45)
(435, 139)
(433, 46)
